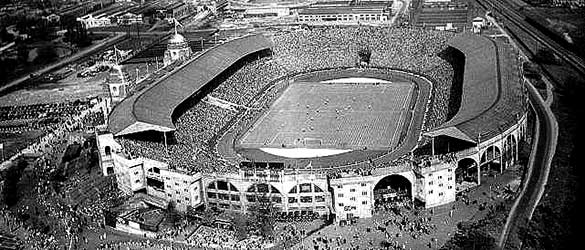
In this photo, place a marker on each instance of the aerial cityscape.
(291, 124)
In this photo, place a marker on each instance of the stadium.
(302, 119)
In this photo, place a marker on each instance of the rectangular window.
(352, 190)
(292, 200)
(430, 191)
(363, 184)
(364, 192)
(440, 184)
(305, 188)
(340, 204)
(352, 199)
(211, 195)
(251, 198)
(440, 193)
(224, 197)
(235, 197)
(430, 182)
(364, 202)
(306, 199)
(319, 199)
(340, 195)
(276, 199)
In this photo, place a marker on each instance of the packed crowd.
(38, 116)
(301, 51)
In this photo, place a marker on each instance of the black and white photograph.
(291, 124)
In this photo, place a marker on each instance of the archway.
(491, 159)
(263, 193)
(466, 171)
(392, 190)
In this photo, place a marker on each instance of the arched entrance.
(491, 160)
(392, 190)
(466, 171)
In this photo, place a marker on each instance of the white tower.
(177, 48)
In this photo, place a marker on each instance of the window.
(364, 192)
(430, 191)
(440, 193)
(319, 199)
(136, 173)
(169, 195)
(450, 178)
(211, 195)
(306, 199)
(179, 201)
(363, 184)
(235, 197)
(430, 182)
(276, 199)
(305, 188)
(352, 199)
(168, 186)
(224, 197)
(440, 177)
(364, 202)
(251, 198)
(138, 181)
(187, 198)
(441, 184)
(352, 190)
(450, 187)
(292, 200)
(339, 186)
(340, 204)
(340, 195)
(177, 192)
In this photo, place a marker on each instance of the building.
(482, 138)
(345, 12)
(177, 10)
(443, 15)
(89, 21)
(177, 49)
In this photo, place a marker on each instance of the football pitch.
(334, 115)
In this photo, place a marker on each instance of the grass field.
(337, 115)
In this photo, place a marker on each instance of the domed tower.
(177, 49)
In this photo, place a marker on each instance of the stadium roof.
(152, 108)
(491, 98)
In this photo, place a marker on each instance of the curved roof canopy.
(490, 100)
(152, 108)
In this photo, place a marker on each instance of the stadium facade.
(484, 133)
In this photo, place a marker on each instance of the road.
(543, 150)
(65, 61)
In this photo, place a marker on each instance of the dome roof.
(177, 38)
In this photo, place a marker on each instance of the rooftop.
(152, 108)
(491, 100)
